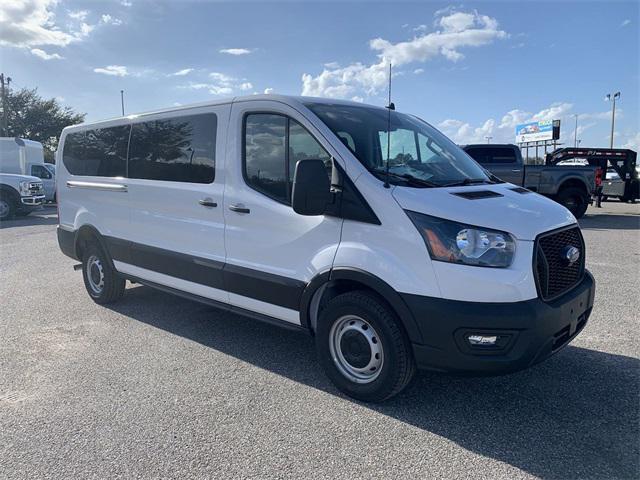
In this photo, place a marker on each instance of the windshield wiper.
(467, 181)
(406, 177)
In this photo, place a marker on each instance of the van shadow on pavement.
(573, 416)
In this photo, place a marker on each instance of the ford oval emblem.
(570, 254)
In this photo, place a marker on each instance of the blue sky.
(473, 69)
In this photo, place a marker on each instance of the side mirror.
(311, 188)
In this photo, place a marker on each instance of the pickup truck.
(19, 195)
(571, 186)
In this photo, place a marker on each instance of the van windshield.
(419, 155)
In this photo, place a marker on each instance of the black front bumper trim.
(536, 330)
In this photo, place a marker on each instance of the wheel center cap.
(355, 349)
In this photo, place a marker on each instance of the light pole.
(575, 133)
(611, 97)
(122, 101)
(488, 139)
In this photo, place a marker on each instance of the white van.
(281, 208)
(26, 157)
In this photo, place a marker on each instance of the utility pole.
(122, 101)
(5, 109)
(611, 97)
(575, 133)
(488, 139)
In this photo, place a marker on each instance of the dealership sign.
(538, 131)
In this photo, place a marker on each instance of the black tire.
(102, 282)
(397, 367)
(7, 207)
(575, 200)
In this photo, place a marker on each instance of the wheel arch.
(85, 235)
(329, 284)
(573, 182)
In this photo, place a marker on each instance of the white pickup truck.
(19, 195)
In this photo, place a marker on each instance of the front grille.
(554, 274)
(36, 188)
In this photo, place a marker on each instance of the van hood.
(502, 206)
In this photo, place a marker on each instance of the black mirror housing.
(311, 188)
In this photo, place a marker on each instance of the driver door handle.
(240, 208)
(207, 202)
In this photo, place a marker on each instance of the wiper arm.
(406, 177)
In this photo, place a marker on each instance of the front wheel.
(362, 347)
(575, 200)
(102, 282)
(6, 208)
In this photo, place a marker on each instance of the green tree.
(32, 117)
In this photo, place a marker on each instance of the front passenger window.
(273, 144)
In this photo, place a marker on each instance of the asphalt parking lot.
(157, 386)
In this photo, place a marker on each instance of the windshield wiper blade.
(466, 181)
(405, 176)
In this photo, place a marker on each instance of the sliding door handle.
(240, 208)
(207, 202)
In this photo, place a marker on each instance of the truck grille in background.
(554, 274)
(36, 188)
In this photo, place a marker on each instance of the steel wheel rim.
(354, 331)
(4, 208)
(95, 274)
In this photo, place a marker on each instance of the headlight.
(24, 189)
(455, 242)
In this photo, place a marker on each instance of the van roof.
(288, 99)
(22, 141)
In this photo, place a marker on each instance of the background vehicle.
(571, 185)
(621, 177)
(26, 157)
(19, 195)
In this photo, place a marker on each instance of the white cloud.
(181, 73)
(114, 70)
(236, 51)
(220, 84)
(268, 90)
(332, 65)
(126, 3)
(625, 23)
(457, 30)
(86, 29)
(633, 142)
(357, 98)
(44, 55)
(80, 15)
(109, 20)
(28, 23)
(418, 71)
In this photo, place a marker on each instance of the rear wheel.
(575, 200)
(362, 347)
(102, 282)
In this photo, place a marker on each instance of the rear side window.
(478, 154)
(176, 150)
(273, 144)
(100, 152)
(501, 155)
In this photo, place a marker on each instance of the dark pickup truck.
(570, 185)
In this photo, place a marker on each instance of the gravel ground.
(157, 386)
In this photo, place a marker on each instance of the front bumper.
(529, 331)
(33, 201)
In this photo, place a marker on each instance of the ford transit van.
(360, 225)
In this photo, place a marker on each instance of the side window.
(501, 155)
(40, 172)
(265, 154)
(178, 149)
(273, 144)
(478, 154)
(402, 147)
(303, 146)
(100, 152)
